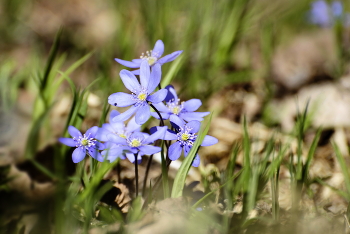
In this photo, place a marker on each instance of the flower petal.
(68, 141)
(161, 107)
(116, 139)
(102, 133)
(194, 125)
(187, 150)
(145, 73)
(175, 151)
(170, 96)
(78, 154)
(158, 49)
(192, 105)
(136, 72)
(209, 140)
(169, 57)
(127, 63)
(113, 114)
(130, 81)
(154, 80)
(176, 122)
(137, 61)
(159, 134)
(132, 126)
(189, 116)
(91, 132)
(121, 99)
(149, 149)
(126, 115)
(196, 161)
(157, 96)
(164, 115)
(142, 115)
(94, 153)
(131, 157)
(74, 132)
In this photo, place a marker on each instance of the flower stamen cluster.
(85, 141)
(185, 138)
(174, 106)
(150, 56)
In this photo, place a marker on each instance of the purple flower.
(84, 144)
(185, 136)
(320, 14)
(185, 110)
(152, 57)
(138, 143)
(118, 128)
(141, 96)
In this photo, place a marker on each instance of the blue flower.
(138, 143)
(84, 144)
(141, 97)
(324, 15)
(119, 129)
(185, 110)
(152, 57)
(185, 136)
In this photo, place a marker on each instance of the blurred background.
(263, 59)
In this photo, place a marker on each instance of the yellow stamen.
(84, 142)
(185, 136)
(142, 96)
(135, 143)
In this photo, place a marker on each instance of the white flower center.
(175, 107)
(85, 141)
(150, 57)
(184, 137)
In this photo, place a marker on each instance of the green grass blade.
(181, 175)
(175, 66)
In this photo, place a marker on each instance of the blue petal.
(113, 114)
(142, 115)
(154, 80)
(136, 72)
(164, 115)
(74, 132)
(94, 154)
(176, 122)
(194, 125)
(187, 150)
(121, 99)
(102, 133)
(189, 116)
(192, 105)
(137, 61)
(117, 127)
(91, 132)
(78, 154)
(126, 115)
(131, 158)
(161, 107)
(130, 81)
(116, 139)
(133, 126)
(209, 140)
(196, 161)
(169, 57)
(99, 145)
(127, 63)
(145, 73)
(68, 141)
(158, 49)
(175, 151)
(139, 135)
(159, 134)
(149, 149)
(170, 95)
(173, 92)
(157, 96)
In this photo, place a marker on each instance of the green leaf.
(180, 178)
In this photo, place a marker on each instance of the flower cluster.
(117, 139)
(325, 15)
